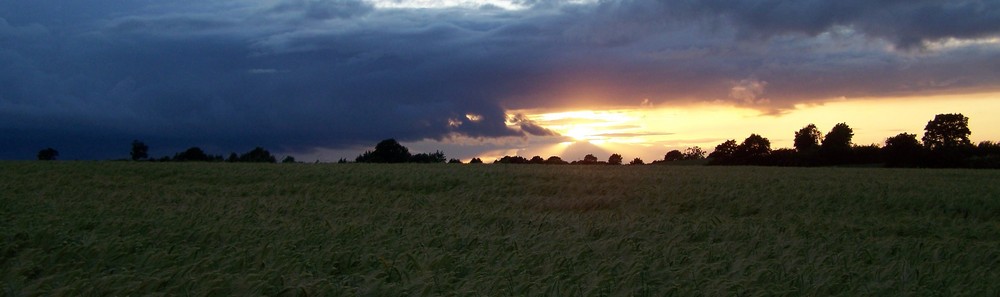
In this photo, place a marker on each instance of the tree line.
(945, 144)
(140, 152)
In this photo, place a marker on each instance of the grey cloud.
(323, 9)
(531, 127)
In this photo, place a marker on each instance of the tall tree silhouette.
(947, 138)
(836, 147)
(753, 149)
(807, 139)
(140, 151)
(839, 137)
(947, 131)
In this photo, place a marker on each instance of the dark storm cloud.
(89, 76)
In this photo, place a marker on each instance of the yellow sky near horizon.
(650, 131)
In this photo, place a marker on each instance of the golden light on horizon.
(649, 132)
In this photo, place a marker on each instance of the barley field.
(198, 229)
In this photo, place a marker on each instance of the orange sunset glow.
(650, 131)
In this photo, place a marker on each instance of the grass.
(118, 228)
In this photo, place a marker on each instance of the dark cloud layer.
(87, 77)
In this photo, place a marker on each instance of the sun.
(583, 133)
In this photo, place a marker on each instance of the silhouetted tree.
(476, 161)
(258, 155)
(947, 131)
(139, 150)
(192, 154)
(342, 161)
(555, 160)
(836, 146)
(694, 153)
(636, 161)
(233, 158)
(48, 154)
(902, 150)
(839, 138)
(673, 155)
(752, 150)
(454, 161)
(807, 139)
(947, 139)
(536, 160)
(436, 157)
(589, 159)
(724, 152)
(386, 151)
(288, 159)
(615, 159)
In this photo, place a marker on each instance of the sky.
(324, 80)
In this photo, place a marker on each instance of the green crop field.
(120, 228)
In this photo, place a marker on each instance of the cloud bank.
(296, 75)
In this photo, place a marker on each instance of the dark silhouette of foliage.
(947, 139)
(752, 150)
(48, 154)
(140, 151)
(436, 157)
(694, 153)
(454, 161)
(723, 153)
(536, 160)
(808, 138)
(233, 158)
(988, 148)
(636, 161)
(866, 154)
(476, 161)
(615, 159)
(342, 161)
(589, 159)
(986, 155)
(783, 157)
(555, 160)
(673, 155)
(257, 155)
(288, 159)
(947, 131)
(839, 138)
(836, 147)
(192, 154)
(902, 150)
(511, 160)
(386, 151)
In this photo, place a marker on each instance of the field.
(120, 228)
